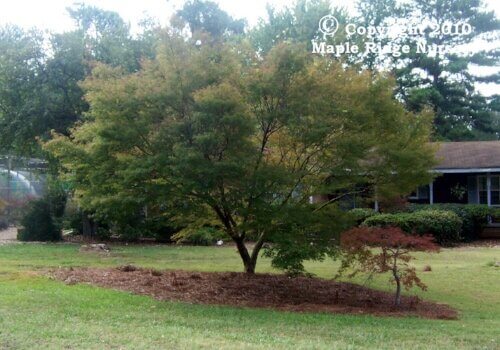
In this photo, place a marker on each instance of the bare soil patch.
(300, 294)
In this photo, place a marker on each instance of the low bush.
(361, 214)
(38, 223)
(160, 228)
(386, 220)
(202, 236)
(72, 219)
(393, 256)
(4, 224)
(474, 216)
(444, 225)
(495, 216)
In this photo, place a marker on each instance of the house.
(467, 172)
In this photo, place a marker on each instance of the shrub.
(125, 232)
(160, 228)
(393, 204)
(400, 220)
(393, 257)
(4, 224)
(474, 216)
(361, 214)
(495, 216)
(38, 223)
(444, 225)
(202, 236)
(72, 218)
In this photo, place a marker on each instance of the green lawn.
(36, 312)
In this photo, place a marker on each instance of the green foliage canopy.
(212, 132)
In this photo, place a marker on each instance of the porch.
(461, 187)
(469, 173)
(465, 188)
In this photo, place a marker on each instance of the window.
(482, 187)
(422, 192)
(482, 182)
(495, 190)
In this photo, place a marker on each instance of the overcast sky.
(52, 14)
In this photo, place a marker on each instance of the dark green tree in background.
(39, 87)
(23, 92)
(445, 81)
(208, 17)
(297, 24)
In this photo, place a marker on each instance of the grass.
(36, 312)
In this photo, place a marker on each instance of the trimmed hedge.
(444, 225)
(474, 216)
(361, 214)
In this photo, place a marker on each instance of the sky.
(52, 15)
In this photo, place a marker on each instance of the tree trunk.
(396, 278)
(250, 266)
(89, 226)
(249, 262)
(398, 289)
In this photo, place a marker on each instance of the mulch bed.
(300, 294)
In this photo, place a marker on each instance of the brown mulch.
(300, 294)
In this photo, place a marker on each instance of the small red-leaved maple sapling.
(381, 250)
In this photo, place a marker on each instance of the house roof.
(468, 155)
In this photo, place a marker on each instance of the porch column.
(488, 188)
(431, 192)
